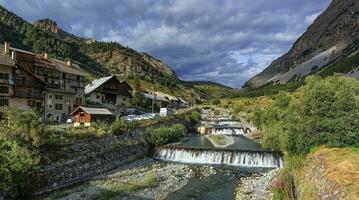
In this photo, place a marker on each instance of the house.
(66, 93)
(174, 102)
(110, 93)
(159, 101)
(18, 87)
(51, 86)
(84, 116)
(183, 103)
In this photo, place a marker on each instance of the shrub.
(323, 112)
(164, 135)
(216, 102)
(195, 116)
(24, 127)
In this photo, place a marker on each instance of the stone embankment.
(256, 187)
(75, 163)
(85, 159)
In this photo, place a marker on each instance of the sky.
(226, 41)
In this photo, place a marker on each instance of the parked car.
(69, 120)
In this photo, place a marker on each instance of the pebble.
(256, 187)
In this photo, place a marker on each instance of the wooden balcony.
(27, 95)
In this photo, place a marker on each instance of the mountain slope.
(99, 58)
(331, 38)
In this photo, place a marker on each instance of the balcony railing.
(27, 83)
(27, 95)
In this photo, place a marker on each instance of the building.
(110, 93)
(84, 116)
(19, 87)
(174, 102)
(50, 86)
(159, 101)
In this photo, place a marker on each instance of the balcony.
(27, 95)
(22, 83)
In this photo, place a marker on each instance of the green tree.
(322, 112)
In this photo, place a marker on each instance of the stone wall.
(67, 165)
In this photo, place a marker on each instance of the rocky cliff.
(325, 43)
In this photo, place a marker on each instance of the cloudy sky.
(227, 41)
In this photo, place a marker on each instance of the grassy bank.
(321, 112)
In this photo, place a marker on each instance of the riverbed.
(195, 168)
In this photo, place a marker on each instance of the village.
(57, 91)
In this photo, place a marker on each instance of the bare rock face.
(47, 25)
(159, 64)
(335, 29)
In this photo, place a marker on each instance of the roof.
(158, 97)
(171, 98)
(22, 51)
(96, 83)
(43, 62)
(128, 87)
(64, 67)
(180, 99)
(5, 59)
(92, 111)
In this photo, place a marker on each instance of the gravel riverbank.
(256, 187)
(143, 179)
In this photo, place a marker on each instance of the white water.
(233, 158)
(228, 131)
(227, 123)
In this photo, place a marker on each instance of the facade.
(50, 86)
(159, 101)
(174, 102)
(19, 87)
(110, 93)
(84, 116)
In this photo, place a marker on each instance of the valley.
(193, 168)
(92, 116)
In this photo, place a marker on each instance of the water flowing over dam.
(228, 131)
(218, 140)
(240, 158)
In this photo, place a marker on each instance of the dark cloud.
(227, 41)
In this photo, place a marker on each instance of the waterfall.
(224, 157)
(227, 123)
(228, 131)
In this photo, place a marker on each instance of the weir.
(228, 131)
(261, 159)
(223, 130)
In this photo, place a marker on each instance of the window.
(4, 102)
(4, 90)
(50, 106)
(50, 96)
(4, 76)
(58, 97)
(98, 97)
(58, 106)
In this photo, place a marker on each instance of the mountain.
(96, 57)
(210, 90)
(330, 44)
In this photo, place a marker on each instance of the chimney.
(7, 47)
(69, 63)
(46, 55)
(13, 55)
